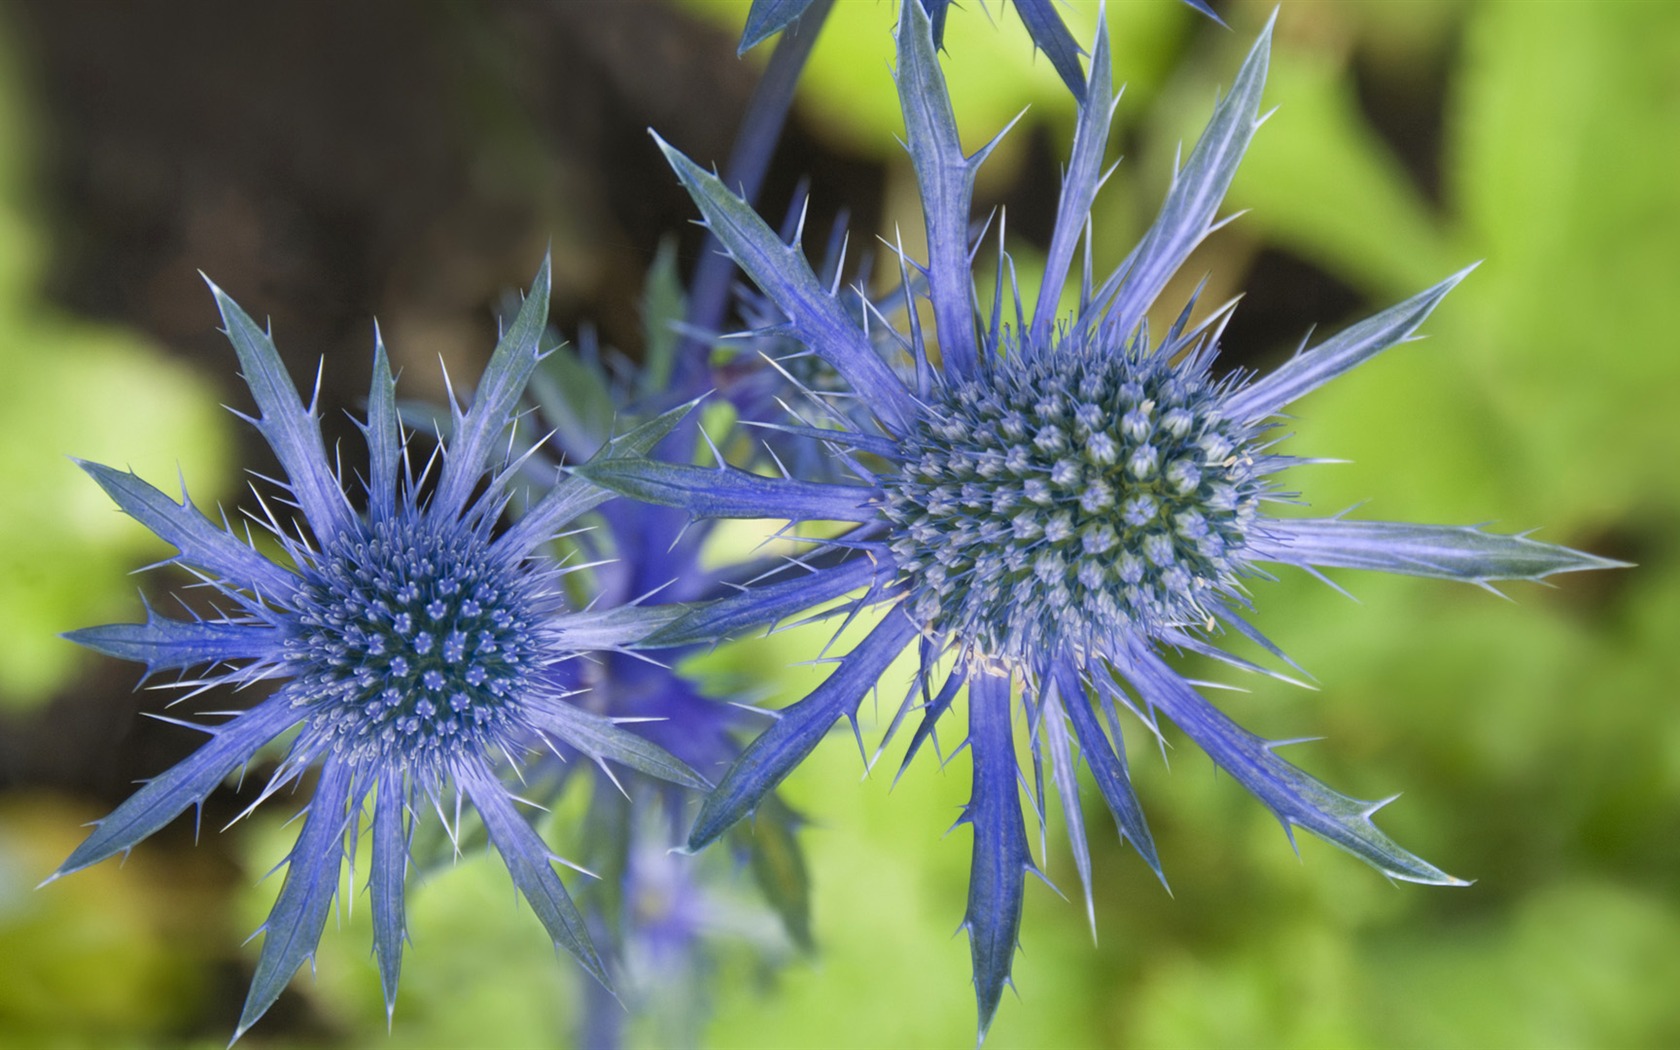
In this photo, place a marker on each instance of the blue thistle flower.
(1051, 500)
(413, 646)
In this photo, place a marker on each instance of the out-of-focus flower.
(660, 917)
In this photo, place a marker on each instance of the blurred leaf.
(771, 841)
(1563, 156)
(574, 398)
(1559, 158)
(1320, 182)
(663, 305)
(64, 549)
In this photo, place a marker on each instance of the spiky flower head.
(1052, 500)
(1070, 498)
(411, 645)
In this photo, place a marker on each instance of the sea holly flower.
(411, 643)
(1049, 502)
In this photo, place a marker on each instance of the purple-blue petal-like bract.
(1046, 501)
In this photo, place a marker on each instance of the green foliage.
(1557, 170)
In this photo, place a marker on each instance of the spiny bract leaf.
(1451, 552)
(1293, 797)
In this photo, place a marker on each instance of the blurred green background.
(328, 164)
